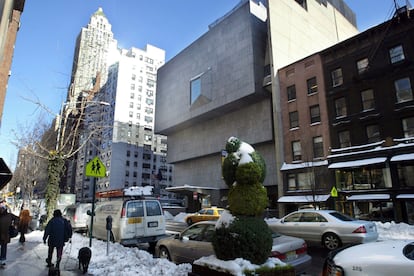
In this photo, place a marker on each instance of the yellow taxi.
(211, 213)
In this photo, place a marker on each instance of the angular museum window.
(408, 127)
(367, 98)
(403, 90)
(315, 114)
(291, 92)
(293, 119)
(362, 65)
(396, 54)
(344, 139)
(312, 85)
(195, 87)
(340, 108)
(337, 79)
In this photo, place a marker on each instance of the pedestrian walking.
(55, 236)
(24, 220)
(6, 221)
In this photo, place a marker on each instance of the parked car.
(391, 257)
(77, 215)
(330, 227)
(211, 213)
(195, 242)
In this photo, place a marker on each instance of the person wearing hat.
(55, 236)
(6, 220)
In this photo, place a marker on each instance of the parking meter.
(108, 223)
(108, 232)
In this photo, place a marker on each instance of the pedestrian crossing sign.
(95, 168)
(334, 192)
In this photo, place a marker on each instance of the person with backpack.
(58, 231)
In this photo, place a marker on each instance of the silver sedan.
(329, 227)
(195, 242)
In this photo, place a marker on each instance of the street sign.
(334, 192)
(95, 168)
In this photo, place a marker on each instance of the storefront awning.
(369, 197)
(190, 188)
(406, 196)
(357, 163)
(303, 199)
(402, 157)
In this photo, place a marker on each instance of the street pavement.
(30, 260)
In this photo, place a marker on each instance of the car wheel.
(331, 241)
(189, 221)
(164, 254)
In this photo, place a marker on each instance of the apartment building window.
(396, 54)
(128, 153)
(296, 151)
(133, 77)
(293, 119)
(132, 86)
(132, 95)
(149, 110)
(291, 182)
(131, 114)
(362, 65)
(340, 107)
(291, 92)
(344, 139)
(195, 87)
(148, 119)
(127, 163)
(373, 133)
(135, 164)
(312, 85)
(408, 127)
(317, 147)
(138, 116)
(149, 101)
(127, 173)
(336, 76)
(367, 97)
(131, 105)
(403, 90)
(315, 114)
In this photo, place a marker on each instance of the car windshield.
(341, 216)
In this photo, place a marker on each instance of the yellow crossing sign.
(95, 168)
(334, 192)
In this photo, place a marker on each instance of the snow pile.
(138, 191)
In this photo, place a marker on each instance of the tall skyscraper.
(94, 52)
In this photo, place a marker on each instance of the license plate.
(291, 255)
(153, 224)
(134, 220)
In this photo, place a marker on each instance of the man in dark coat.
(6, 220)
(55, 234)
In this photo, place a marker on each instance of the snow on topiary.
(246, 236)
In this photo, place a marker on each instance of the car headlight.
(330, 269)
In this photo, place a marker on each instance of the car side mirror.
(282, 221)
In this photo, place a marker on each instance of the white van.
(134, 221)
(77, 215)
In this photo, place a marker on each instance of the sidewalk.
(30, 260)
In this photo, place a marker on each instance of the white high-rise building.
(125, 142)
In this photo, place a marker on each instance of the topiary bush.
(247, 237)
(247, 200)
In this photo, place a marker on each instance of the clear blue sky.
(45, 44)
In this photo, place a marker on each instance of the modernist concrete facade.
(231, 63)
(10, 13)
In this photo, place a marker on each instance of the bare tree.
(59, 144)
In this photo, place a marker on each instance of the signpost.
(5, 174)
(95, 168)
